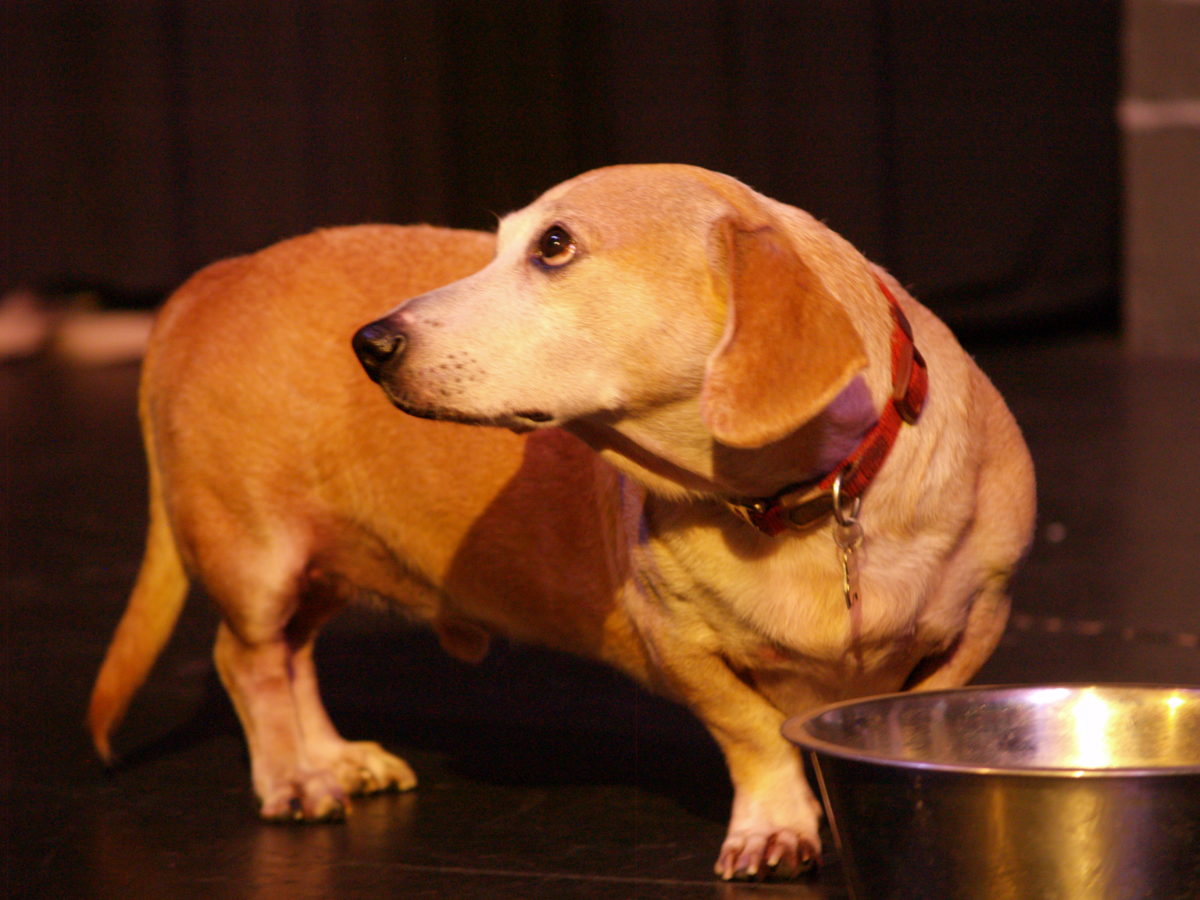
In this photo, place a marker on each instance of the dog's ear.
(789, 347)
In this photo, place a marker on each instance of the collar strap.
(801, 506)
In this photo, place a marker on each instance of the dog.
(659, 420)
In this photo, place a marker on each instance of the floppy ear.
(788, 349)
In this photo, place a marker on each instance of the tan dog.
(731, 362)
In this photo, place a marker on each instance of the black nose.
(376, 344)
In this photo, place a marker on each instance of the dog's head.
(626, 294)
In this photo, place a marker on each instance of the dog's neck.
(673, 455)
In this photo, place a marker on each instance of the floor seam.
(1026, 622)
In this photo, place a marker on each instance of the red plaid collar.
(799, 507)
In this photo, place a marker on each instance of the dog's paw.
(321, 793)
(364, 767)
(762, 854)
(773, 830)
(311, 797)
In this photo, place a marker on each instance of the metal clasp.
(845, 518)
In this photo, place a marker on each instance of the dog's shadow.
(524, 716)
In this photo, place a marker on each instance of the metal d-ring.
(844, 519)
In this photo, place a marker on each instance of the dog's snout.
(376, 344)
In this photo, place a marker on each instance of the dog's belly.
(383, 581)
(493, 568)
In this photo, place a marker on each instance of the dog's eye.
(555, 247)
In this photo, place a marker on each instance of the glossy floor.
(541, 776)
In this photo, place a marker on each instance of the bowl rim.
(795, 730)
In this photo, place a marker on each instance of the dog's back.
(248, 391)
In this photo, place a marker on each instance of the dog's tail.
(154, 606)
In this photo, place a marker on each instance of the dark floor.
(541, 776)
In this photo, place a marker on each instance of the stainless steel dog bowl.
(1064, 792)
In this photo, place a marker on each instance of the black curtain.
(968, 145)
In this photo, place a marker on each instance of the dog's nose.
(377, 343)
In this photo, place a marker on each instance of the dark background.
(969, 145)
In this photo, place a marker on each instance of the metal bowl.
(1013, 793)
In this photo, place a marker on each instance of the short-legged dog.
(733, 459)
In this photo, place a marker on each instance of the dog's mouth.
(520, 421)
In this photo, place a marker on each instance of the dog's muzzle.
(377, 345)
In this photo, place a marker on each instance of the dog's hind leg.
(360, 767)
(256, 672)
(301, 767)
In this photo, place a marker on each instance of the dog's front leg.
(775, 817)
(774, 821)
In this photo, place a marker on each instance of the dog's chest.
(781, 618)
